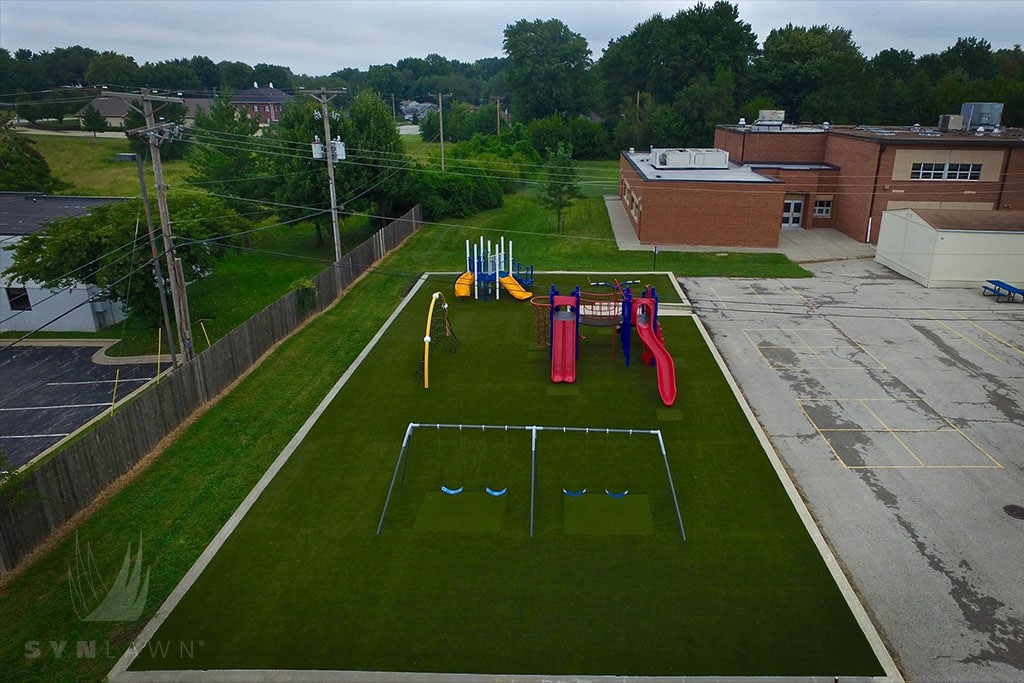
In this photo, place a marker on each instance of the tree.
(375, 172)
(280, 76)
(93, 120)
(971, 56)
(171, 73)
(663, 56)
(371, 176)
(111, 68)
(108, 248)
(235, 76)
(224, 156)
(22, 168)
(799, 62)
(549, 69)
(561, 183)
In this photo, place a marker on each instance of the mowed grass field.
(457, 585)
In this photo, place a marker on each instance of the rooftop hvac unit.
(690, 158)
(981, 114)
(951, 122)
(771, 115)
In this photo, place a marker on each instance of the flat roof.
(641, 161)
(23, 213)
(924, 135)
(963, 219)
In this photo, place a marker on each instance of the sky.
(319, 37)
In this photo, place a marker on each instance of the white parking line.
(99, 381)
(105, 404)
(31, 436)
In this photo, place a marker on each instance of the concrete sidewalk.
(801, 246)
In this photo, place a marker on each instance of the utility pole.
(156, 134)
(440, 113)
(497, 110)
(336, 152)
(161, 282)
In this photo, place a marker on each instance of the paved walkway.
(801, 246)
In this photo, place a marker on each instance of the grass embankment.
(88, 164)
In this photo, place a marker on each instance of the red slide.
(563, 340)
(662, 360)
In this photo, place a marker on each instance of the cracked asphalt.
(898, 412)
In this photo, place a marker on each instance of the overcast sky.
(320, 37)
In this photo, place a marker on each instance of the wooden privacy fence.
(53, 492)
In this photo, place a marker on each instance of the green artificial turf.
(459, 585)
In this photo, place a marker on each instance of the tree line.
(667, 82)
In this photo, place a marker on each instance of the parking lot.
(47, 392)
(898, 412)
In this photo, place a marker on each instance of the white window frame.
(822, 208)
(944, 171)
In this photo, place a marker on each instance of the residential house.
(115, 107)
(263, 103)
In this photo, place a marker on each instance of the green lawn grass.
(89, 165)
(303, 582)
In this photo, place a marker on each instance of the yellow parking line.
(977, 346)
(999, 339)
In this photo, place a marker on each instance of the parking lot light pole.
(160, 282)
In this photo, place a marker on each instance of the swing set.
(402, 463)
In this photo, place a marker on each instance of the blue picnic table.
(1002, 291)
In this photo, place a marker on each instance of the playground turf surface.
(456, 583)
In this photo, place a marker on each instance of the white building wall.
(948, 258)
(65, 310)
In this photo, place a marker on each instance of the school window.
(823, 208)
(17, 297)
(924, 171)
(928, 171)
(963, 171)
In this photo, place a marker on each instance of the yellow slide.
(513, 287)
(464, 284)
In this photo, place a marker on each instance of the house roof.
(264, 95)
(961, 219)
(23, 213)
(118, 105)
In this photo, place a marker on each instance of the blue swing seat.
(574, 494)
(451, 492)
(617, 494)
(496, 492)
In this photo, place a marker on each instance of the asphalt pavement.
(47, 392)
(899, 413)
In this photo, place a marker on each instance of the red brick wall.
(793, 148)
(732, 142)
(855, 183)
(1013, 188)
(705, 213)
